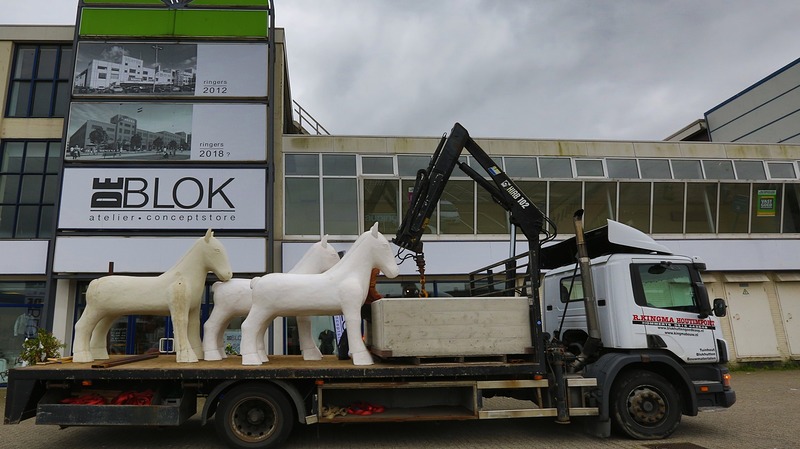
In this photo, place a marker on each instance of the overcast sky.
(577, 69)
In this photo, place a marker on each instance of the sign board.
(766, 203)
(163, 198)
(162, 69)
(152, 131)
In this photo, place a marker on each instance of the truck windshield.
(664, 286)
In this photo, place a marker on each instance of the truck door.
(667, 294)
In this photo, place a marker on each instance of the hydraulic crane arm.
(430, 184)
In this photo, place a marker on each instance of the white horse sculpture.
(233, 298)
(341, 289)
(178, 293)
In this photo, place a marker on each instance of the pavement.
(766, 415)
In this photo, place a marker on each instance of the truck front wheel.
(253, 416)
(645, 406)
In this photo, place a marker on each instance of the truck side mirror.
(720, 307)
(702, 299)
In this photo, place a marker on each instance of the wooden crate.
(448, 327)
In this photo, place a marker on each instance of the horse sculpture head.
(382, 253)
(319, 257)
(215, 256)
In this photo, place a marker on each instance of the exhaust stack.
(593, 344)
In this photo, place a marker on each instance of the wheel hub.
(253, 421)
(646, 406)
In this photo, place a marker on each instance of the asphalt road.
(766, 415)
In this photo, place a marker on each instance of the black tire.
(253, 416)
(645, 406)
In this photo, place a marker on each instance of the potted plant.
(41, 347)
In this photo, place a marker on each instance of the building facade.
(737, 206)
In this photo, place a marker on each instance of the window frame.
(56, 81)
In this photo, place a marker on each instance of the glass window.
(668, 207)
(781, 170)
(665, 287)
(456, 208)
(409, 165)
(380, 204)
(565, 199)
(338, 165)
(301, 210)
(634, 205)
(340, 206)
(589, 167)
(750, 170)
(791, 214)
(27, 195)
(734, 206)
(622, 168)
(718, 169)
(655, 169)
(21, 308)
(491, 217)
(40, 80)
(686, 169)
(766, 216)
(701, 207)
(536, 191)
(301, 164)
(406, 191)
(571, 289)
(600, 203)
(555, 167)
(377, 165)
(521, 167)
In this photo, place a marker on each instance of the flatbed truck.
(620, 330)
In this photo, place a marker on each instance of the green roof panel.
(201, 23)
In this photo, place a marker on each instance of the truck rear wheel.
(253, 416)
(645, 406)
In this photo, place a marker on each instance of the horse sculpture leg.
(179, 310)
(252, 326)
(81, 348)
(212, 333)
(98, 344)
(308, 347)
(193, 331)
(352, 318)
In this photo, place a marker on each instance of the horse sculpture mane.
(341, 289)
(177, 292)
(234, 298)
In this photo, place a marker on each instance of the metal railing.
(508, 277)
(304, 117)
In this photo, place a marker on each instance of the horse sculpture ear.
(208, 235)
(374, 230)
(324, 241)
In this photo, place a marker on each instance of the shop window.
(301, 164)
(791, 209)
(734, 207)
(668, 207)
(381, 204)
(599, 204)
(522, 167)
(701, 208)
(40, 81)
(377, 165)
(767, 200)
(338, 165)
(21, 308)
(686, 169)
(456, 208)
(634, 205)
(302, 206)
(340, 206)
(565, 199)
(28, 188)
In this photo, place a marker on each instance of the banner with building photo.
(165, 198)
(152, 131)
(141, 69)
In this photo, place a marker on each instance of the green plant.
(229, 350)
(41, 347)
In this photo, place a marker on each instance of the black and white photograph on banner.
(151, 131)
(159, 69)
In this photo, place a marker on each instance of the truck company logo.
(668, 321)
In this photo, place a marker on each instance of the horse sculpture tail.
(253, 282)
